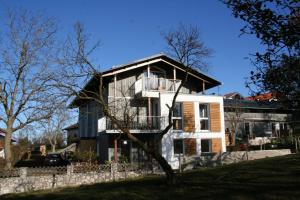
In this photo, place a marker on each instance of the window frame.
(209, 146)
(178, 117)
(182, 146)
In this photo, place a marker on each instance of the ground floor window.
(206, 146)
(247, 128)
(187, 146)
(178, 146)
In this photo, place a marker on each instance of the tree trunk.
(170, 175)
(171, 179)
(233, 138)
(7, 149)
(53, 147)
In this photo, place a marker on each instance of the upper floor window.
(204, 116)
(177, 116)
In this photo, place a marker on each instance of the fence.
(30, 179)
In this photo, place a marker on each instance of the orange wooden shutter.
(190, 145)
(189, 116)
(216, 145)
(215, 117)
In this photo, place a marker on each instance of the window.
(178, 146)
(177, 116)
(186, 146)
(206, 146)
(247, 128)
(204, 117)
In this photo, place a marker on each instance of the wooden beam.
(174, 73)
(115, 93)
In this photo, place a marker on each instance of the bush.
(85, 156)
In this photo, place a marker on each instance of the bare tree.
(26, 93)
(185, 45)
(188, 50)
(53, 127)
(234, 118)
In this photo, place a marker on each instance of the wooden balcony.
(138, 124)
(150, 87)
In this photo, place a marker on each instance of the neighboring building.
(147, 86)
(257, 118)
(270, 96)
(72, 133)
(2, 138)
(233, 95)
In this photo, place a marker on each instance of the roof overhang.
(209, 81)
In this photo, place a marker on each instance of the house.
(2, 141)
(270, 96)
(2, 137)
(257, 117)
(72, 133)
(146, 87)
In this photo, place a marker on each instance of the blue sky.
(131, 30)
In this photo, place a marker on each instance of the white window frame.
(179, 118)
(204, 118)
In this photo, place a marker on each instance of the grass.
(270, 178)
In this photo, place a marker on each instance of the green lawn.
(271, 178)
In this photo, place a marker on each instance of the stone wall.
(25, 182)
(239, 156)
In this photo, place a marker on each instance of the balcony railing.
(139, 123)
(156, 84)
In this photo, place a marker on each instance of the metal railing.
(138, 123)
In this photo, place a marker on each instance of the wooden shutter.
(215, 117)
(189, 116)
(190, 146)
(216, 146)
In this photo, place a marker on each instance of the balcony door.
(155, 114)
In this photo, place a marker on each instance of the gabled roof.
(72, 127)
(263, 97)
(210, 82)
(233, 95)
(2, 135)
(157, 58)
(250, 104)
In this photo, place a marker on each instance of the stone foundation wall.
(25, 183)
(238, 156)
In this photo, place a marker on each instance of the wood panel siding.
(215, 117)
(189, 116)
(89, 113)
(190, 145)
(216, 146)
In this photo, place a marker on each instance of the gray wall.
(89, 113)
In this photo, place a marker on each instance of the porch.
(118, 147)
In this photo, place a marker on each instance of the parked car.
(55, 159)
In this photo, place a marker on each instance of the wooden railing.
(139, 123)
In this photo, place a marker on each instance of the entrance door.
(125, 146)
